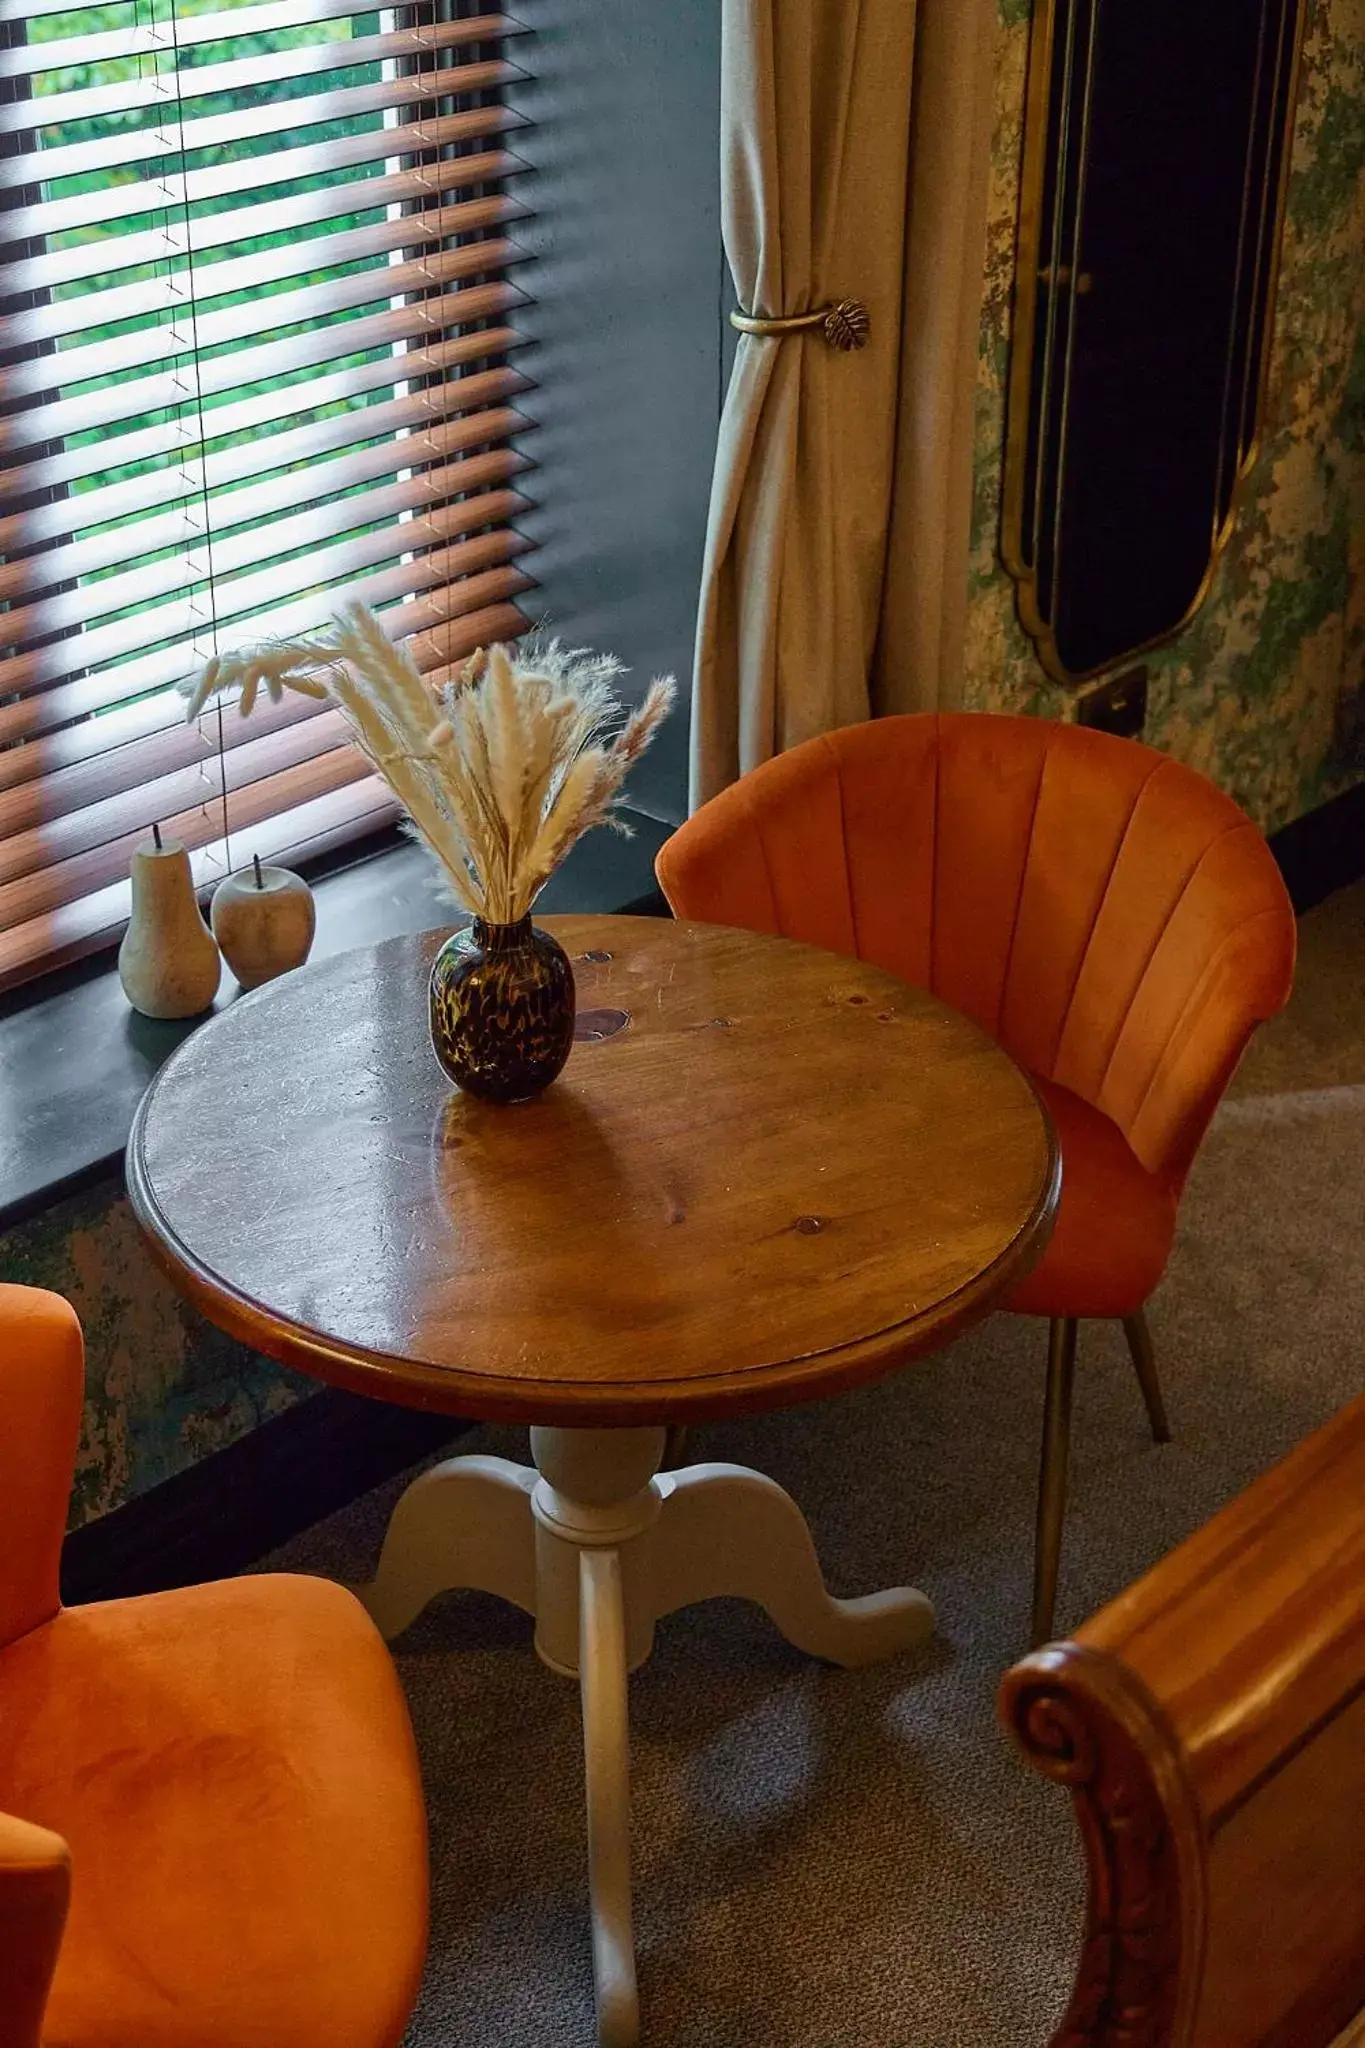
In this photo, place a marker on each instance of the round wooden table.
(767, 1174)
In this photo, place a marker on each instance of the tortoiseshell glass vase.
(502, 1009)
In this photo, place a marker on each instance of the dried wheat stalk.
(518, 757)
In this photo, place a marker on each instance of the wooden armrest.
(1210, 1725)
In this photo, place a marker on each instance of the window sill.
(75, 1060)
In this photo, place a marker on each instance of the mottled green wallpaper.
(1265, 690)
(162, 1387)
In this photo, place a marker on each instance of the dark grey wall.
(629, 330)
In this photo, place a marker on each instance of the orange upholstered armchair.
(211, 1824)
(1107, 914)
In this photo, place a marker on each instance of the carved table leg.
(606, 1758)
(726, 1529)
(466, 1523)
(597, 1543)
(595, 1509)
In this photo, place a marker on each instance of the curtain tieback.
(844, 325)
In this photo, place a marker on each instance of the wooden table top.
(785, 1174)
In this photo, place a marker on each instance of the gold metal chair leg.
(1144, 1361)
(675, 1447)
(1061, 1380)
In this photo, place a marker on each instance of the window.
(257, 352)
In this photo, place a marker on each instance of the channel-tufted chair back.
(1110, 917)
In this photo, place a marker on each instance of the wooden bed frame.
(1210, 1726)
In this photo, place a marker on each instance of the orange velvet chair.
(1111, 918)
(211, 1822)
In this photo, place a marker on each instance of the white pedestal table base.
(597, 1544)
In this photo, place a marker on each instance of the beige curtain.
(855, 156)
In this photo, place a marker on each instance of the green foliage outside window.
(119, 15)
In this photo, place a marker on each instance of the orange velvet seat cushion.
(233, 1768)
(1114, 1225)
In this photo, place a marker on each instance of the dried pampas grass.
(518, 757)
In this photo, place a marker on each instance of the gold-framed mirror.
(1157, 142)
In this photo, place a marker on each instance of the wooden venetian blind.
(257, 286)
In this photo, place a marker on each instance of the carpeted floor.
(826, 1857)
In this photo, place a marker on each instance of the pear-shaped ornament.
(168, 963)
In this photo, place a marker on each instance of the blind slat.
(173, 239)
(164, 294)
(133, 809)
(189, 619)
(190, 332)
(231, 549)
(435, 623)
(177, 190)
(432, 611)
(159, 671)
(33, 800)
(149, 589)
(159, 38)
(97, 756)
(166, 391)
(428, 443)
(177, 439)
(174, 139)
(30, 895)
(151, 92)
(82, 925)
